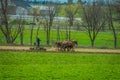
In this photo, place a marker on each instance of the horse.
(62, 46)
(66, 45)
(58, 45)
(72, 44)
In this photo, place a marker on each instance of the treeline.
(94, 18)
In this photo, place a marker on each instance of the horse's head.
(58, 44)
(75, 42)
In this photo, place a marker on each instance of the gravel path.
(84, 50)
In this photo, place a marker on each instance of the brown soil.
(53, 49)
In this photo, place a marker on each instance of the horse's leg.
(68, 49)
(73, 49)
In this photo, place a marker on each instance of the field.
(58, 66)
(104, 39)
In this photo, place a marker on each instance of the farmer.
(38, 41)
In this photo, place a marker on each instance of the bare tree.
(38, 27)
(57, 25)
(93, 20)
(117, 10)
(49, 17)
(70, 10)
(6, 27)
(4, 20)
(35, 12)
(40, 22)
(110, 22)
(21, 24)
(17, 27)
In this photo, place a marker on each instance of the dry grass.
(84, 50)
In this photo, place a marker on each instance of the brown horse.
(58, 45)
(66, 45)
(72, 44)
(62, 46)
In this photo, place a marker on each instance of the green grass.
(104, 39)
(58, 66)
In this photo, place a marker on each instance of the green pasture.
(58, 66)
(104, 39)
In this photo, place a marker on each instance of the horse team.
(66, 45)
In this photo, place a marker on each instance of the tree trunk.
(58, 33)
(37, 30)
(115, 36)
(67, 33)
(48, 36)
(8, 39)
(31, 35)
(112, 26)
(69, 37)
(92, 43)
(21, 36)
